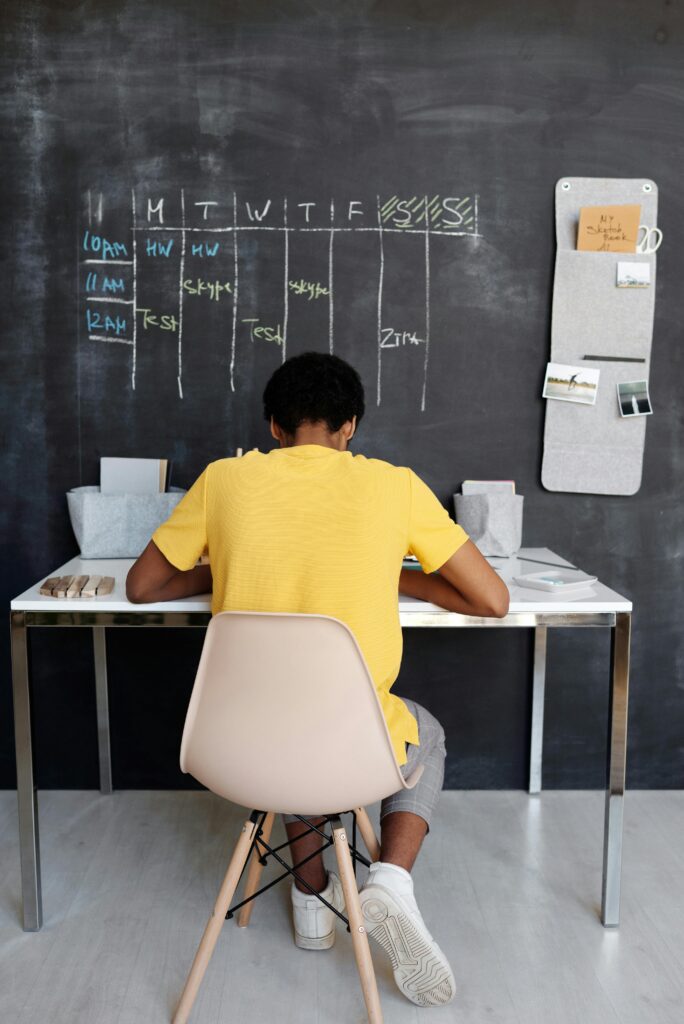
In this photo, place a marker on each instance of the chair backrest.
(284, 716)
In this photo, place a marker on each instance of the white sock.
(392, 877)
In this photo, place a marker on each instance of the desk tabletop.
(595, 598)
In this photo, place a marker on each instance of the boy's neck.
(315, 433)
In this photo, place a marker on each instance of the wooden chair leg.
(367, 833)
(254, 874)
(215, 923)
(357, 928)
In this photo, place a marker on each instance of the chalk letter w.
(255, 215)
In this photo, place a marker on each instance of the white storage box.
(492, 521)
(117, 525)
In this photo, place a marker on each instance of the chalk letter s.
(402, 207)
(453, 212)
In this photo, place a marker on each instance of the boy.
(311, 528)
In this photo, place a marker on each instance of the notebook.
(133, 476)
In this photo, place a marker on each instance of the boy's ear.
(276, 432)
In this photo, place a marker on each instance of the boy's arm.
(466, 583)
(153, 578)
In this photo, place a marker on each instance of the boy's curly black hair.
(311, 388)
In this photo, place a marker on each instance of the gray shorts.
(431, 753)
(422, 799)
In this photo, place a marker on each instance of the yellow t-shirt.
(315, 530)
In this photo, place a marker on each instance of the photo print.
(571, 383)
(633, 398)
(633, 275)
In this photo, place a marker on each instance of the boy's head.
(314, 389)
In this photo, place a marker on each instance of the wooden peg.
(90, 589)
(62, 585)
(77, 586)
(49, 586)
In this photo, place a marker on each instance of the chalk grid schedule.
(239, 255)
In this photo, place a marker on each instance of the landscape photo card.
(608, 228)
(571, 383)
(633, 275)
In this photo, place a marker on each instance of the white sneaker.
(421, 970)
(314, 924)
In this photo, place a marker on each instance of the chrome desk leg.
(617, 758)
(29, 845)
(102, 701)
(537, 732)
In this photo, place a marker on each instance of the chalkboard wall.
(428, 137)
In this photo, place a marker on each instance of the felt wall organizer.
(596, 324)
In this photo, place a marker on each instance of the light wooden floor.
(508, 884)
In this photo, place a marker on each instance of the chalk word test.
(205, 249)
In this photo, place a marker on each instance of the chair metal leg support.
(102, 704)
(617, 763)
(215, 922)
(537, 731)
(29, 846)
(254, 873)
(357, 928)
(367, 833)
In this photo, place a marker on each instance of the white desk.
(597, 606)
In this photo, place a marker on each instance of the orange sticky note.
(608, 228)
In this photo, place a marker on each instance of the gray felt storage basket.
(492, 521)
(117, 525)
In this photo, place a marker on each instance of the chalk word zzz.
(389, 338)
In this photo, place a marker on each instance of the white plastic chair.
(284, 718)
